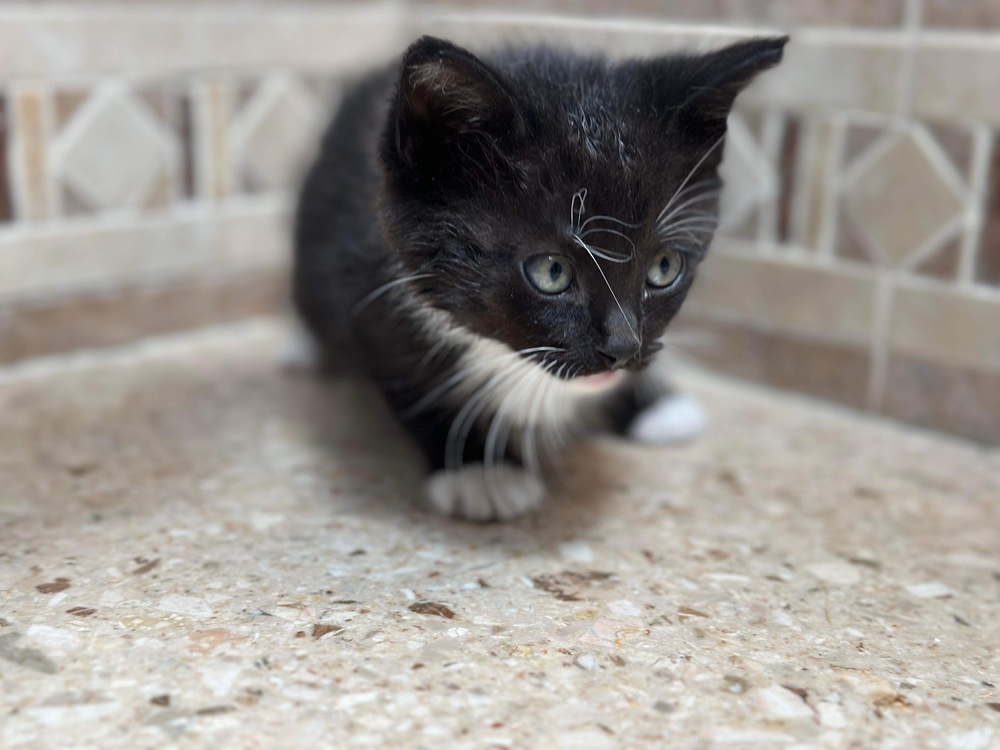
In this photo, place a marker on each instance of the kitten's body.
(437, 188)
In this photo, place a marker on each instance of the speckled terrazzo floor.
(198, 550)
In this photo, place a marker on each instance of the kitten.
(499, 242)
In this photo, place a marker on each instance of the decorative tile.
(186, 135)
(819, 141)
(749, 178)
(114, 152)
(274, 133)
(825, 303)
(6, 202)
(788, 186)
(968, 14)
(851, 243)
(66, 102)
(858, 138)
(899, 199)
(955, 142)
(942, 325)
(944, 263)
(988, 255)
(29, 128)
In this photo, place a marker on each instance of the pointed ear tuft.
(445, 91)
(723, 74)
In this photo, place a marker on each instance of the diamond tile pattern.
(748, 175)
(899, 199)
(275, 132)
(114, 150)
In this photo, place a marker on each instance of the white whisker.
(371, 297)
(690, 175)
(590, 252)
(609, 218)
(610, 231)
(431, 396)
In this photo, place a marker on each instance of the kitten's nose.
(617, 353)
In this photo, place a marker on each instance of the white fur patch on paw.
(670, 419)
(299, 353)
(502, 494)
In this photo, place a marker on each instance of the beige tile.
(215, 100)
(620, 37)
(968, 14)
(960, 400)
(29, 135)
(824, 303)
(944, 263)
(958, 81)
(51, 262)
(819, 142)
(824, 71)
(771, 12)
(900, 201)
(836, 372)
(106, 319)
(115, 150)
(946, 326)
(880, 13)
(277, 131)
(868, 72)
(157, 38)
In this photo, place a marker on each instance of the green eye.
(550, 274)
(666, 269)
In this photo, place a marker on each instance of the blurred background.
(149, 155)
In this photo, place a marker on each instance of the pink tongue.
(601, 378)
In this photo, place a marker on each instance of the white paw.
(670, 419)
(299, 353)
(502, 494)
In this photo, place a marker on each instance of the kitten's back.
(338, 244)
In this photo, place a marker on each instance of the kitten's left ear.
(719, 76)
(445, 91)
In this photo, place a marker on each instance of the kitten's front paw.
(670, 419)
(502, 494)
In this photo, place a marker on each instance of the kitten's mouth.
(600, 380)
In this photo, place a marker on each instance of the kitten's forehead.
(600, 135)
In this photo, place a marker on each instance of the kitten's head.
(551, 200)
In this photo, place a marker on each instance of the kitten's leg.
(656, 415)
(502, 492)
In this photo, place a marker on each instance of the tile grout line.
(912, 23)
(885, 278)
(879, 366)
(983, 146)
(833, 185)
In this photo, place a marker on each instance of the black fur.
(456, 169)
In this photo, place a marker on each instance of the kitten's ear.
(445, 91)
(719, 76)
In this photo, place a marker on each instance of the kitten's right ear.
(445, 91)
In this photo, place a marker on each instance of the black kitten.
(500, 242)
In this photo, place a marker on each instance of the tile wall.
(148, 155)
(147, 158)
